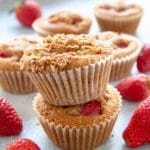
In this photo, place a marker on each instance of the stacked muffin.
(76, 107)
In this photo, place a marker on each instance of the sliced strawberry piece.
(10, 122)
(4, 55)
(92, 108)
(23, 144)
(134, 88)
(76, 21)
(137, 132)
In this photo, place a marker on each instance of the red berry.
(4, 55)
(143, 60)
(10, 122)
(134, 88)
(92, 108)
(27, 12)
(122, 44)
(75, 21)
(138, 130)
(23, 144)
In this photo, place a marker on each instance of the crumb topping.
(62, 52)
(65, 16)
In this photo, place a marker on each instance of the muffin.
(71, 129)
(69, 69)
(118, 17)
(11, 78)
(63, 21)
(126, 48)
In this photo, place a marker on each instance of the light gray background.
(9, 27)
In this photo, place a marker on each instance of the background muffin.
(63, 21)
(11, 78)
(118, 17)
(69, 129)
(126, 49)
(69, 69)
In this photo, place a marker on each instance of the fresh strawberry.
(138, 130)
(23, 144)
(27, 12)
(10, 122)
(143, 60)
(134, 88)
(92, 108)
(4, 55)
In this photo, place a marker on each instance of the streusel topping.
(65, 52)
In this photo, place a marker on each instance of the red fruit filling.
(5, 55)
(121, 44)
(92, 108)
(76, 21)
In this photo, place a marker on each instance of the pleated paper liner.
(16, 82)
(81, 138)
(76, 86)
(121, 67)
(128, 25)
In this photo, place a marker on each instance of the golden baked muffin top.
(110, 104)
(63, 21)
(119, 10)
(123, 44)
(11, 51)
(64, 52)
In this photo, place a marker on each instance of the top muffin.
(63, 21)
(12, 51)
(65, 52)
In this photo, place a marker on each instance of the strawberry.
(143, 63)
(4, 55)
(27, 12)
(134, 88)
(137, 132)
(23, 144)
(10, 122)
(92, 108)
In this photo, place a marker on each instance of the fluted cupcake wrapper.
(16, 82)
(128, 25)
(76, 86)
(81, 138)
(121, 67)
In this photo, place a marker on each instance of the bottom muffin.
(77, 127)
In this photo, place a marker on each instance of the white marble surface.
(9, 27)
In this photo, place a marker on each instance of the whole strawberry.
(135, 88)
(23, 144)
(143, 60)
(27, 12)
(138, 130)
(10, 122)
(92, 108)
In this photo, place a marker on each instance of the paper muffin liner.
(126, 25)
(81, 138)
(76, 86)
(121, 67)
(16, 82)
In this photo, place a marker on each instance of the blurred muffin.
(69, 69)
(126, 49)
(118, 17)
(74, 128)
(63, 21)
(11, 78)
